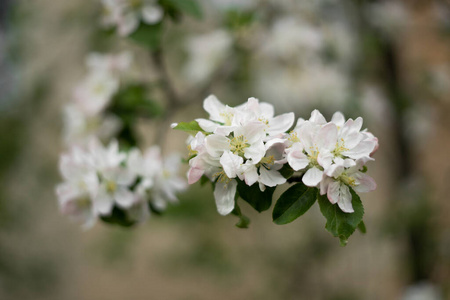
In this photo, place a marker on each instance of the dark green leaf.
(339, 223)
(149, 36)
(204, 180)
(362, 227)
(190, 7)
(293, 203)
(244, 221)
(118, 217)
(260, 201)
(192, 127)
(286, 171)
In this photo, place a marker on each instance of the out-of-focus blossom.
(109, 63)
(95, 92)
(206, 53)
(126, 15)
(422, 291)
(79, 128)
(390, 17)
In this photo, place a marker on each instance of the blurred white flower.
(390, 17)
(79, 128)
(126, 14)
(80, 186)
(292, 38)
(206, 52)
(95, 92)
(422, 291)
(109, 63)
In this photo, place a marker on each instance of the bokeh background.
(388, 61)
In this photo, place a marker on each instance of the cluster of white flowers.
(126, 15)
(97, 178)
(249, 143)
(84, 115)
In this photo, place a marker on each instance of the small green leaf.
(293, 203)
(204, 180)
(339, 223)
(286, 171)
(192, 127)
(362, 227)
(260, 201)
(244, 221)
(149, 36)
(118, 217)
(190, 7)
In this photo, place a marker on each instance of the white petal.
(338, 119)
(224, 194)
(345, 199)
(366, 183)
(312, 177)
(250, 174)
(281, 123)
(207, 125)
(124, 197)
(317, 118)
(271, 177)
(333, 192)
(194, 174)
(214, 107)
(152, 14)
(216, 144)
(231, 164)
(255, 152)
(327, 137)
(296, 158)
(103, 202)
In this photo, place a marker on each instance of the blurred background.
(387, 61)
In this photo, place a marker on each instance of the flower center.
(238, 145)
(267, 162)
(111, 186)
(227, 117)
(293, 137)
(348, 180)
(222, 177)
(312, 156)
(340, 147)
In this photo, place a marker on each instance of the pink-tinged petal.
(103, 202)
(194, 174)
(366, 183)
(270, 177)
(312, 177)
(317, 118)
(296, 158)
(327, 137)
(152, 14)
(281, 123)
(338, 119)
(207, 125)
(345, 199)
(214, 107)
(334, 170)
(324, 184)
(305, 134)
(250, 174)
(325, 158)
(255, 152)
(124, 197)
(224, 195)
(266, 110)
(224, 130)
(333, 192)
(216, 144)
(231, 164)
(128, 24)
(363, 149)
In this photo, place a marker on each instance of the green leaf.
(293, 203)
(149, 36)
(244, 221)
(339, 223)
(190, 7)
(362, 227)
(260, 201)
(192, 127)
(118, 217)
(286, 171)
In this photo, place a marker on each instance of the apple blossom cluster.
(126, 15)
(85, 116)
(100, 182)
(248, 144)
